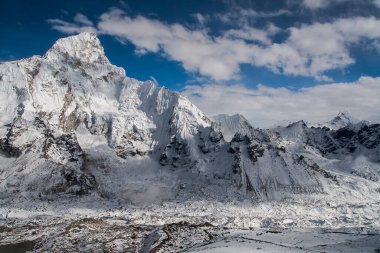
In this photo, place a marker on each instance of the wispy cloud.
(322, 4)
(82, 19)
(265, 106)
(318, 4)
(308, 50)
(198, 51)
(244, 16)
(80, 24)
(251, 34)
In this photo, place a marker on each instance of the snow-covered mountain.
(71, 100)
(230, 125)
(345, 153)
(341, 120)
(72, 122)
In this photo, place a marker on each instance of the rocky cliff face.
(72, 122)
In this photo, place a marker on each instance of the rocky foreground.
(110, 234)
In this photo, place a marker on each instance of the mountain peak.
(343, 119)
(230, 125)
(343, 116)
(84, 46)
(236, 117)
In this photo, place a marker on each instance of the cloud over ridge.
(309, 50)
(265, 106)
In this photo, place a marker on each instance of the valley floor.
(88, 224)
(115, 235)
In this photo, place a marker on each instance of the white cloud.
(202, 19)
(266, 106)
(82, 19)
(252, 34)
(243, 16)
(316, 4)
(81, 24)
(322, 4)
(309, 50)
(217, 57)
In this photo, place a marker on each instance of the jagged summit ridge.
(85, 47)
(342, 119)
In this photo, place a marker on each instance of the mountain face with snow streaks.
(73, 123)
(46, 99)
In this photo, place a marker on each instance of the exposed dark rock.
(369, 136)
(63, 150)
(255, 151)
(176, 154)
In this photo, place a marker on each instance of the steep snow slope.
(353, 149)
(230, 125)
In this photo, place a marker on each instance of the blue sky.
(191, 46)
